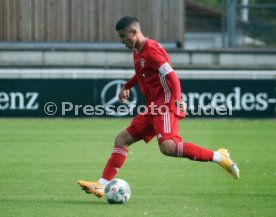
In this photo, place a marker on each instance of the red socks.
(193, 152)
(115, 162)
(183, 149)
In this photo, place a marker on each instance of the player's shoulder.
(154, 44)
(154, 49)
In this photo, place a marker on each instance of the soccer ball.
(117, 191)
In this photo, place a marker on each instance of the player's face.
(128, 37)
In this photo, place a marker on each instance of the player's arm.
(124, 93)
(173, 84)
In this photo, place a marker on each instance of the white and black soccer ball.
(117, 191)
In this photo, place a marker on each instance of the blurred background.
(195, 24)
(56, 50)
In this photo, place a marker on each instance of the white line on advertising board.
(75, 73)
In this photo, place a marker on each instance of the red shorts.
(163, 126)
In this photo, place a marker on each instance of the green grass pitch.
(42, 159)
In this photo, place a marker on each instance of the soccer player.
(161, 88)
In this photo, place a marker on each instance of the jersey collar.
(138, 51)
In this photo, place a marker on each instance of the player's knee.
(121, 140)
(163, 150)
(167, 147)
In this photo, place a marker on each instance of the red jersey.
(152, 64)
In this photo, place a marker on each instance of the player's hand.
(180, 105)
(123, 95)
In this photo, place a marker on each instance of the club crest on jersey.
(142, 62)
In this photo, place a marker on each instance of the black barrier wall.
(99, 98)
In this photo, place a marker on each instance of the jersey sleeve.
(165, 69)
(131, 82)
(174, 85)
(157, 59)
(160, 62)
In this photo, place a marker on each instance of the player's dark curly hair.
(126, 22)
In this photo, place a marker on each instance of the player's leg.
(117, 157)
(185, 150)
(138, 129)
(197, 153)
(171, 144)
(114, 163)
